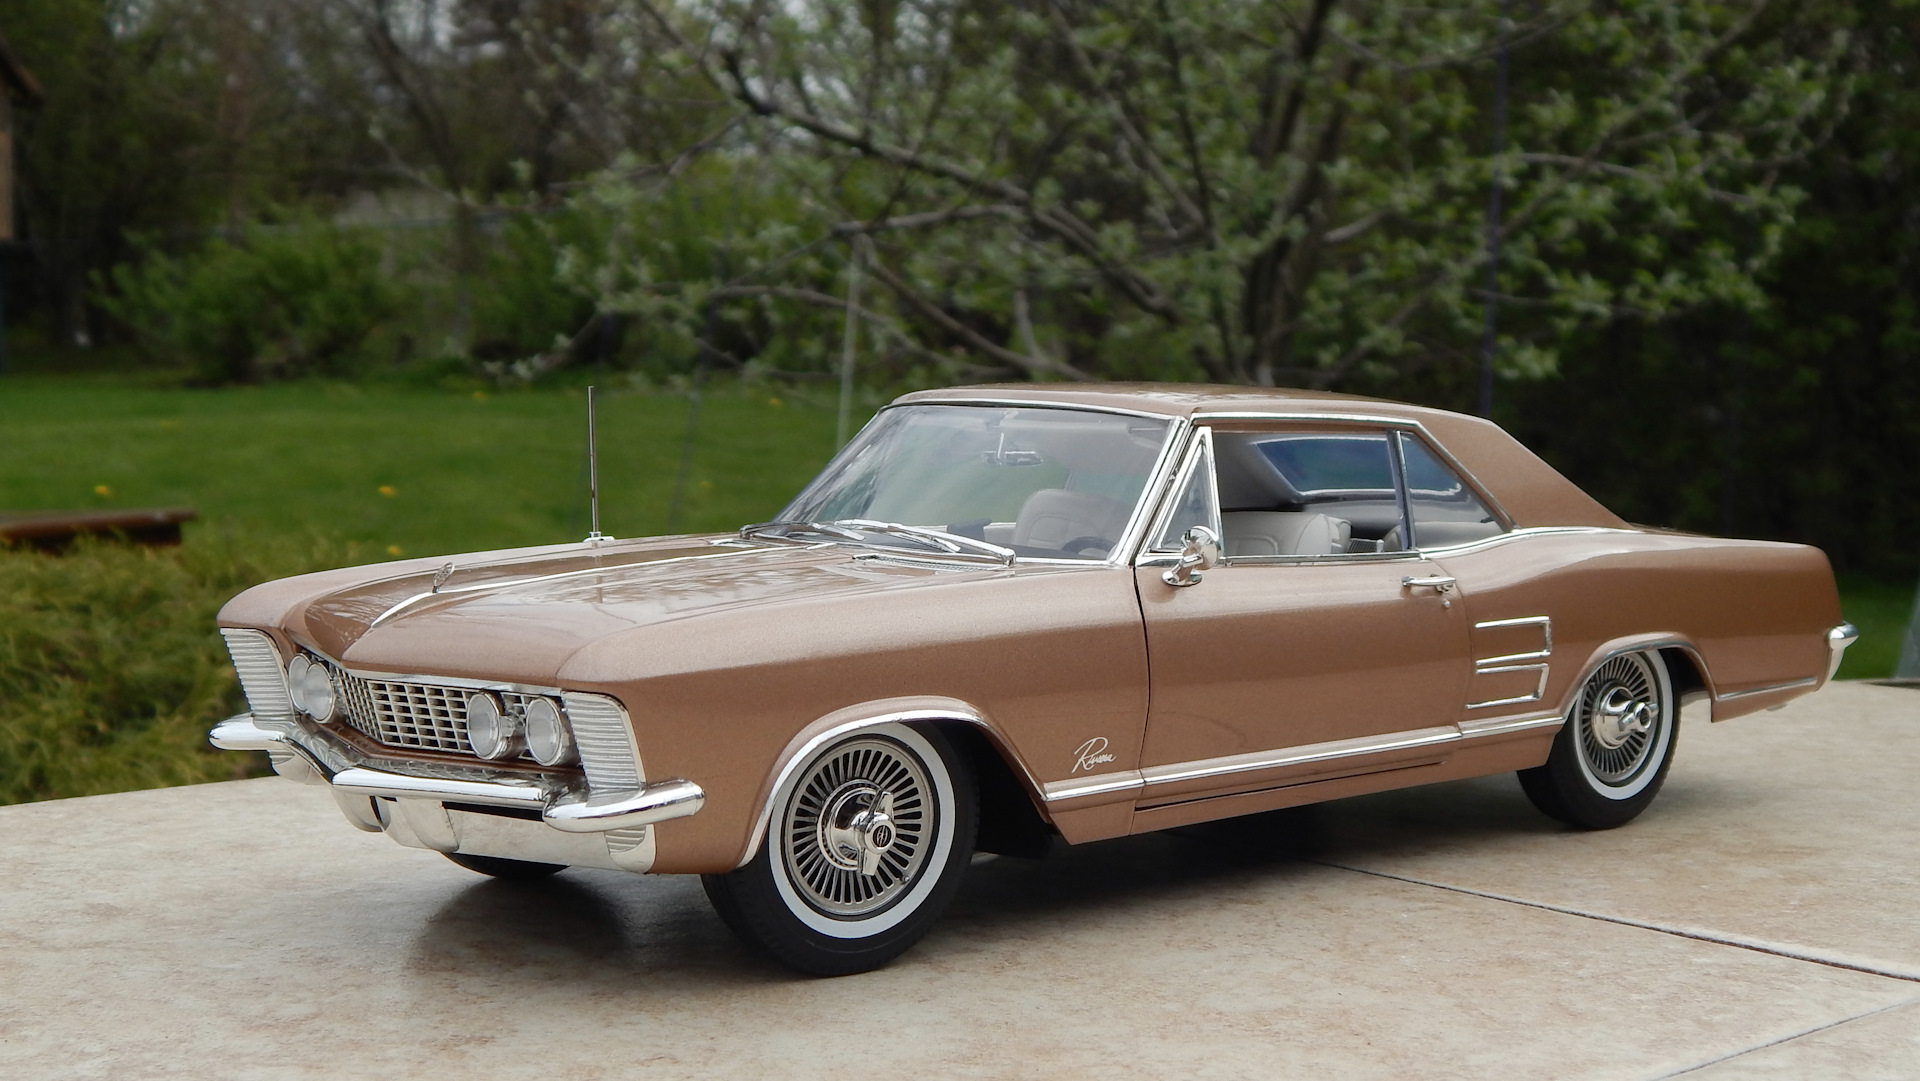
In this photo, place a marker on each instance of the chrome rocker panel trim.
(313, 756)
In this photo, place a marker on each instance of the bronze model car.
(1003, 614)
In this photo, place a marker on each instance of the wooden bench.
(55, 530)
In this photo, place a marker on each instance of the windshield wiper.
(952, 543)
(785, 530)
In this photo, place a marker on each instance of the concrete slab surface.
(1760, 921)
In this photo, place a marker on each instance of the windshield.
(1048, 483)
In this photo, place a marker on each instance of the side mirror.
(1199, 551)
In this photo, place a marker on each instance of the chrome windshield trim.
(1028, 403)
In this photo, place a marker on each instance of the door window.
(1443, 509)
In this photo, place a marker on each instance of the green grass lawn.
(401, 470)
(1881, 610)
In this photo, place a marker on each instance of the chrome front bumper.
(489, 813)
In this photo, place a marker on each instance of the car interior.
(1325, 493)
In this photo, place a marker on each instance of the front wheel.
(1612, 755)
(865, 847)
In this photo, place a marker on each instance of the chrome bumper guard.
(316, 758)
(1838, 639)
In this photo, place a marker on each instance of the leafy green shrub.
(301, 298)
(111, 670)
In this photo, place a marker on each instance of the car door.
(1318, 646)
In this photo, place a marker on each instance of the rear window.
(1318, 464)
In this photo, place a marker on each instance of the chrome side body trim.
(1305, 754)
(1500, 726)
(1538, 691)
(1534, 660)
(1546, 633)
(1730, 696)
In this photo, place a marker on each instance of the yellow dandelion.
(101, 489)
(389, 491)
(479, 395)
(393, 549)
(775, 402)
(706, 484)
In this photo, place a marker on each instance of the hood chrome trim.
(512, 583)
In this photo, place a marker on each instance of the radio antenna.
(593, 476)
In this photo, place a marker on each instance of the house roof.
(19, 83)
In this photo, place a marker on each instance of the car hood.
(519, 616)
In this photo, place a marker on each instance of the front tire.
(1612, 755)
(865, 848)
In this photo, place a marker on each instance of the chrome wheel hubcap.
(1618, 718)
(856, 832)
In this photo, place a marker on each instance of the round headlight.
(491, 732)
(547, 736)
(297, 680)
(317, 688)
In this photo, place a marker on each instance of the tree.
(1289, 191)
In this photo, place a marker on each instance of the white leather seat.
(1052, 517)
(1284, 533)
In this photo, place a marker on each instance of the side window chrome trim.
(1198, 447)
(1406, 424)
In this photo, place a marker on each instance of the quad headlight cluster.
(496, 732)
(311, 688)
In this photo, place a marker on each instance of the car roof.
(1171, 399)
(1531, 492)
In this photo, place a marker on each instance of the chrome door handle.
(1439, 583)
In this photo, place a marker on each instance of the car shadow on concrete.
(599, 929)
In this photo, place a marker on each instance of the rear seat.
(1284, 533)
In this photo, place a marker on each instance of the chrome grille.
(606, 743)
(257, 663)
(417, 716)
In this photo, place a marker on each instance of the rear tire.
(505, 869)
(1612, 755)
(865, 848)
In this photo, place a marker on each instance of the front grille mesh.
(257, 664)
(417, 716)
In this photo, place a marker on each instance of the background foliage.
(1705, 292)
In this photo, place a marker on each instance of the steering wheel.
(1079, 544)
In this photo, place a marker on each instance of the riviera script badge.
(1091, 753)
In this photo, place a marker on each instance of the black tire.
(505, 869)
(1612, 755)
(866, 845)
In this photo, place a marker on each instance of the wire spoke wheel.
(1610, 758)
(854, 837)
(1618, 718)
(866, 841)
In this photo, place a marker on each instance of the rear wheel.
(1612, 755)
(864, 849)
(509, 870)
